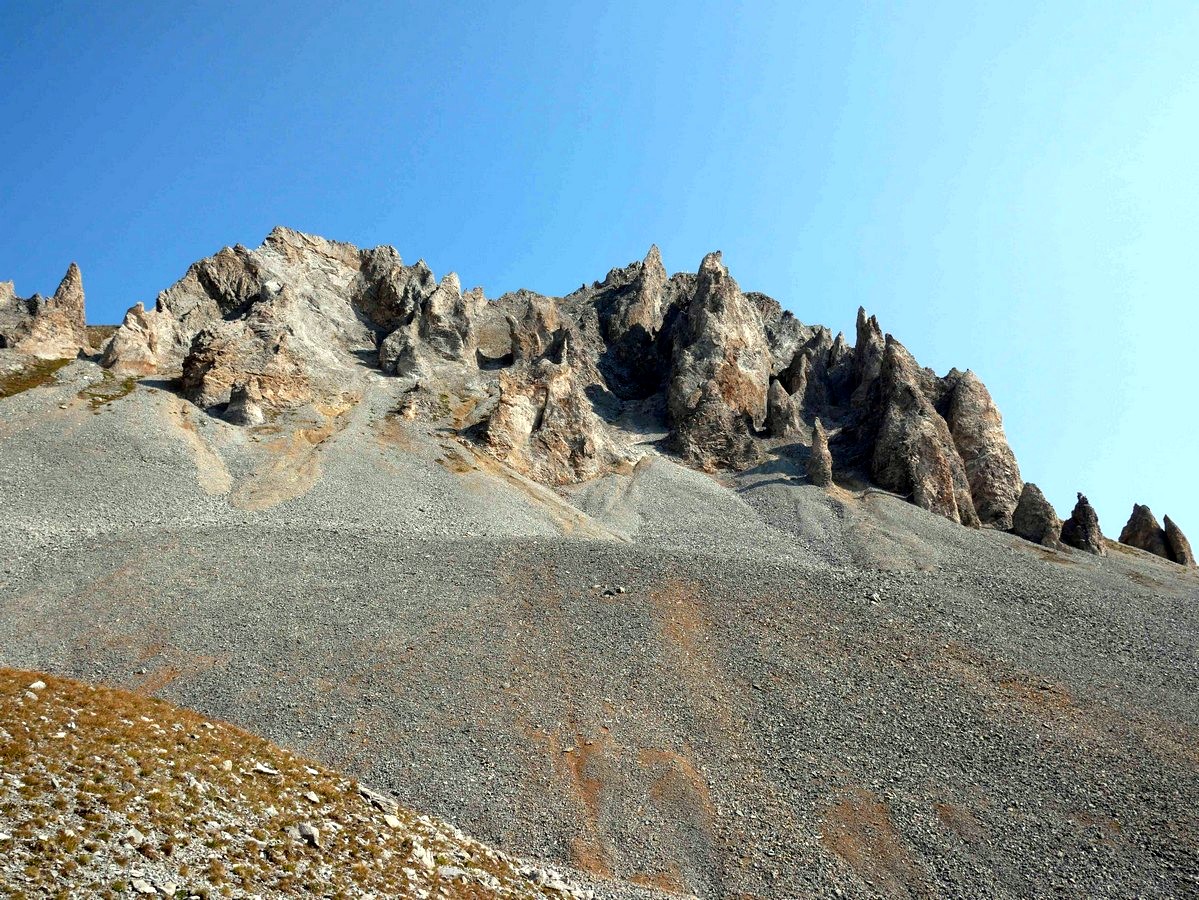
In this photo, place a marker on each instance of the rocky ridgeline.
(550, 386)
(46, 328)
(729, 374)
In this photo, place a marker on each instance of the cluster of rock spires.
(53, 328)
(1143, 532)
(558, 388)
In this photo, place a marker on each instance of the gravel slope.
(732, 687)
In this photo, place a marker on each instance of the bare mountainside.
(584, 577)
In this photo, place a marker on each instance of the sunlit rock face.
(564, 388)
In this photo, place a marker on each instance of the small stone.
(379, 801)
(227, 765)
(38, 686)
(312, 797)
(422, 856)
(264, 769)
(392, 821)
(310, 834)
(30, 695)
(143, 887)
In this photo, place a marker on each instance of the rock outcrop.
(1143, 532)
(574, 382)
(913, 451)
(243, 408)
(1178, 545)
(783, 418)
(720, 374)
(1082, 531)
(53, 328)
(1035, 519)
(1168, 542)
(440, 330)
(544, 426)
(820, 460)
(977, 429)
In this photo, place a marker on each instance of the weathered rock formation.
(54, 328)
(1143, 532)
(544, 425)
(720, 374)
(1082, 531)
(1178, 545)
(977, 430)
(783, 414)
(440, 329)
(729, 376)
(913, 451)
(1035, 519)
(243, 408)
(820, 460)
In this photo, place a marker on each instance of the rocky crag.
(1143, 532)
(565, 389)
(46, 328)
(720, 654)
(550, 384)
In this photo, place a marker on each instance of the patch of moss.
(107, 390)
(31, 376)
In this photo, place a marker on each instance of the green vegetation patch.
(31, 376)
(107, 390)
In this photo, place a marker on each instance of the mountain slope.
(735, 685)
(107, 793)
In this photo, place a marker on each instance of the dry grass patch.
(105, 793)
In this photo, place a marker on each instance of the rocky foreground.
(651, 581)
(104, 793)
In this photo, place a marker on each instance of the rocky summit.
(552, 384)
(652, 589)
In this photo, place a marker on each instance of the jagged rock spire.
(1178, 545)
(820, 460)
(1082, 531)
(720, 373)
(53, 328)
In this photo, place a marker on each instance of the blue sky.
(1010, 187)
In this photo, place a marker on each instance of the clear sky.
(1011, 187)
